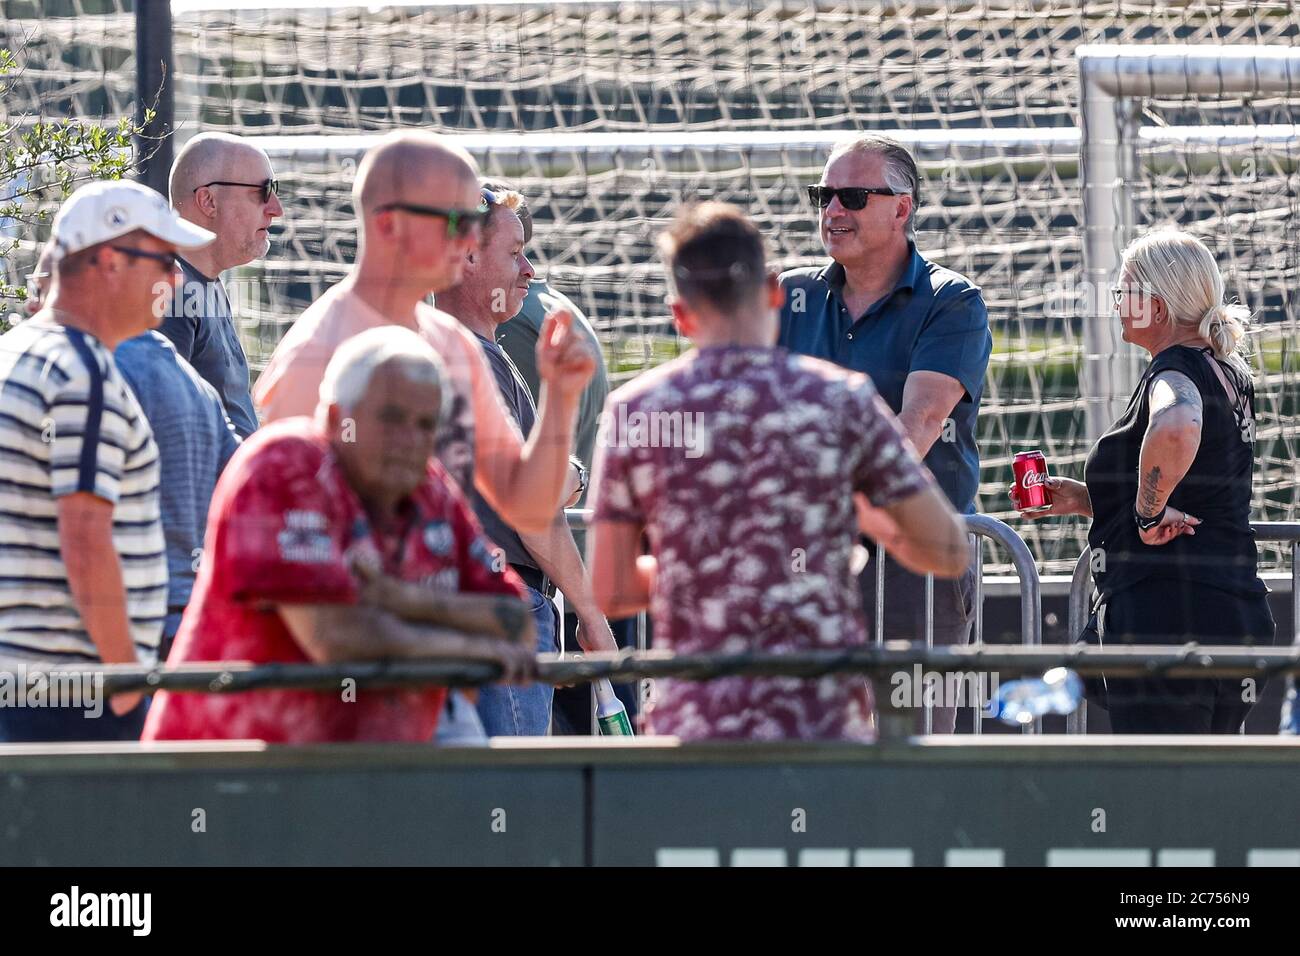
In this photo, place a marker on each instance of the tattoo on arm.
(1149, 492)
(511, 615)
(1187, 393)
(1175, 388)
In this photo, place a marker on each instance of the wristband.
(1146, 524)
(583, 476)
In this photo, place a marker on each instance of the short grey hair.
(350, 371)
(901, 174)
(202, 158)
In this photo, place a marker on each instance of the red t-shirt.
(281, 529)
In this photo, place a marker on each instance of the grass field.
(1013, 355)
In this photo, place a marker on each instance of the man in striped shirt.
(83, 571)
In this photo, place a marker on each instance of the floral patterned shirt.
(740, 462)
(283, 526)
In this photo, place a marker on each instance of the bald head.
(415, 167)
(236, 206)
(208, 157)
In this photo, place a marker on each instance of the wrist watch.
(583, 477)
(1146, 524)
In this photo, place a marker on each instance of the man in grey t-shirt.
(492, 287)
(518, 338)
(226, 186)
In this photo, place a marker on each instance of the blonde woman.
(1168, 487)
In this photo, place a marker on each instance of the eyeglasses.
(1117, 292)
(168, 259)
(269, 187)
(460, 222)
(852, 198)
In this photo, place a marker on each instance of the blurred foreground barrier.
(883, 664)
(1082, 594)
(1007, 800)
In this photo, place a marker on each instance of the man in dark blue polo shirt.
(919, 330)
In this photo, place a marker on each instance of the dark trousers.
(19, 725)
(1176, 612)
(954, 613)
(571, 714)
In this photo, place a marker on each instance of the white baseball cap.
(98, 212)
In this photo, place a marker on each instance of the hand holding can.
(1030, 491)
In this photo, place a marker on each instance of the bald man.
(226, 186)
(420, 214)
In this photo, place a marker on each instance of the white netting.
(1243, 198)
(1005, 213)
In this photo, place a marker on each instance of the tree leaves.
(42, 162)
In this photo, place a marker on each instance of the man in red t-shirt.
(301, 509)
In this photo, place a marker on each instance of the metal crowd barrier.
(1082, 595)
(979, 527)
(1031, 602)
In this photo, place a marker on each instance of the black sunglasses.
(852, 198)
(168, 259)
(269, 187)
(460, 222)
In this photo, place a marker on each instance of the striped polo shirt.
(70, 423)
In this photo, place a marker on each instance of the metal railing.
(1031, 599)
(1082, 595)
(978, 527)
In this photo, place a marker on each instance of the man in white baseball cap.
(83, 568)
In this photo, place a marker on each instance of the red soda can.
(1030, 468)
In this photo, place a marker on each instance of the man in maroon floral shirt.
(743, 463)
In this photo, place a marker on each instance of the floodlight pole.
(154, 88)
(1111, 79)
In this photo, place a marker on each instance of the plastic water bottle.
(1018, 702)
(611, 715)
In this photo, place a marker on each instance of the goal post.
(1113, 81)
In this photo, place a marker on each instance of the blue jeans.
(523, 711)
(459, 723)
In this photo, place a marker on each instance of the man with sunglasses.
(83, 571)
(226, 186)
(420, 209)
(921, 333)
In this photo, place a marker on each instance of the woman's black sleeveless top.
(1216, 488)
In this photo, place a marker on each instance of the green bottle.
(611, 715)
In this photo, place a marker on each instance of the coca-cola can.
(1030, 469)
